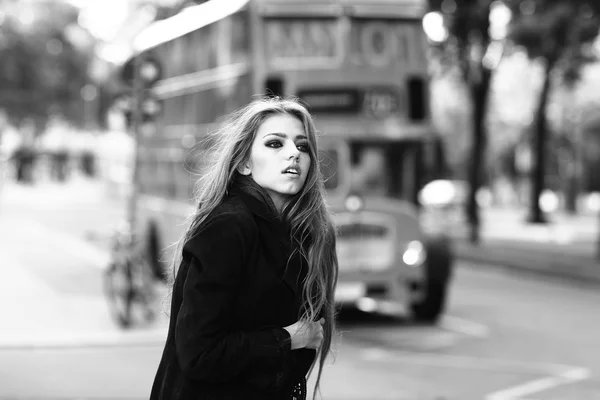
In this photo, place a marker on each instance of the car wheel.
(438, 276)
(433, 305)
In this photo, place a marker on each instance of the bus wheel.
(153, 253)
(438, 274)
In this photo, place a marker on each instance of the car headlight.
(414, 254)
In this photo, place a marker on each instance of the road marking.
(541, 385)
(464, 326)
(463, 362)
(559, 374)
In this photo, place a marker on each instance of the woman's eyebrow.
(278, 134)
(284, 136)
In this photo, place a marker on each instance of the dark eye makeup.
(303, 147)
(275, 144)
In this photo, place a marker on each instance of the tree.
(572, 135)
(470, 48)
(42, 70)
(558, 32)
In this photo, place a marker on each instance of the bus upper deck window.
(274, 86)
(417, 107)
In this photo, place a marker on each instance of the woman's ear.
(244, 168)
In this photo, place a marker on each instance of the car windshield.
(370, 172)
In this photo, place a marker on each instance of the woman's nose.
(293, 152)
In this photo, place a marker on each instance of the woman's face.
(279, 157)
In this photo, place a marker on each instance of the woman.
(252, 302)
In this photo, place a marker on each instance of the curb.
(155, 336)
(576, 268)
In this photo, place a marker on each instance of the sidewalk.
(96, 209)
(565, 248)
(54, 248)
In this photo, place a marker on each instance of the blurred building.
(114, 40)
(127, 19)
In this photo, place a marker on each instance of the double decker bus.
(361, 68)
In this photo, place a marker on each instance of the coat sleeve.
(209, 349)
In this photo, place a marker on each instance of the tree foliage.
(42, 69)
(560, 33)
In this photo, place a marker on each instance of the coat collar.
(276, 230)
(242, 187)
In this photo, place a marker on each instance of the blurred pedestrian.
(88, 163)
(252, 299)
(10, 140)
(55, 143)
(26, 154)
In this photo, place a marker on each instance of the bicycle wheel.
(120, 292)
(144, 294)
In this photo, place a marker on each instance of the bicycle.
(129, 283)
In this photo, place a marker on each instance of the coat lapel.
(277, 239)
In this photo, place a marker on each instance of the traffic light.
(146, 66)
(150, 107)
(140, 73)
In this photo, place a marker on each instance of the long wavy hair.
(306, 213)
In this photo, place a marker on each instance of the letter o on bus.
(375, 43)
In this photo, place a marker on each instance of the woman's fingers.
(311, 333)
(315, 343)
(317, 335)
(307, 334)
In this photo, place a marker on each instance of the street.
(504, 336)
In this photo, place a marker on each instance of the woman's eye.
(274, 144)
(303, 147)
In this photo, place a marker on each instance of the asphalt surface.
(505, 335)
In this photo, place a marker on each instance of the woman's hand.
(306, 334)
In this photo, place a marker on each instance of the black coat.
(233, 294)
